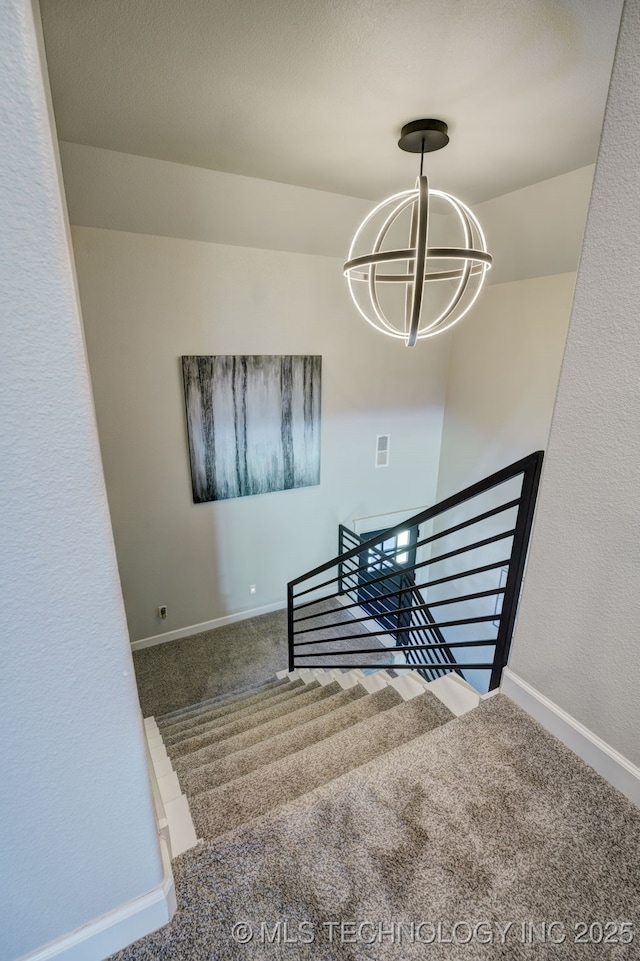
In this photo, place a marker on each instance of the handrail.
(368, 584)
(455, 500)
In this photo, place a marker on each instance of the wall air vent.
(382, 450)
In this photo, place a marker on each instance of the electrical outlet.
(252, 588)
(162, 612)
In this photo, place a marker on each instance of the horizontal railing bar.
(391, 555)
(436, 560)
(480, 487)
(418, 608)
(369, 578)
(339, 576)
(397, 630)
(368, 595)
(351, 575)
(466, 597)
(395, 613)
(443, 651)
(432, 669)
(346, 547)
(343, 637)
(317, 587)
(372, 580)
(424, 658)
(460, 574)
(394, 667)
(434, 657)
(482, 642)
(435, 583)
(422, 617)
(378, 580)
(508, 505)
(428, 671)
(402, 648)
(463, 550)
(321, 600)
(425, 630)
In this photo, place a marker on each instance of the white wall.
(148, 300)
(503, 374)
(118, 191)
(78, 834)
(576, 639)
(537, 231)
(198, 261)
(532, 232)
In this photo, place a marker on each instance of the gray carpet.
(180, 673)
(222, 808)
(308, 694)
(223, 701)
(485, 821)
(211, 711)
(220, 661)
(222, 716)
(288, 742)
(336, 698)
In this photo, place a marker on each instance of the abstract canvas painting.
(253, 424)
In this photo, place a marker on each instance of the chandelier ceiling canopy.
(404, 282)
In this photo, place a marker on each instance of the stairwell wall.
(503, 373)
(78, 838)
(576, 640)
(156, 287)
(503, 376)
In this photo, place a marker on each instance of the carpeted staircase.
(343, 815)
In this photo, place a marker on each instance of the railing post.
(524, 521)
(340, 566)
(290, 625)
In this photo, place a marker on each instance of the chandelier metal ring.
(419, 263)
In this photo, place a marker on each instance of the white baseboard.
(608, 762)
(113, 931)
(205, 626)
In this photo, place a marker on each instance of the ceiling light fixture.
(401, 290)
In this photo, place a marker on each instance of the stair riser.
(232, 804)
(208, 721)
(170, 717)
(337, 698)
(287, 743)
(308, 695)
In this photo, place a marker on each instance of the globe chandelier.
(400, 281)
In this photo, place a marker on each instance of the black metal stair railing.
(372, 606)
(405, 607)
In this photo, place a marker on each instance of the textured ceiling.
(314, 92)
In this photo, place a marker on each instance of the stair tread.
(241, 762)
(168, 716)
(335, 697)
(306, 695)
(225, 807)
(205, 710)
(222, 716)
(487, 817)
